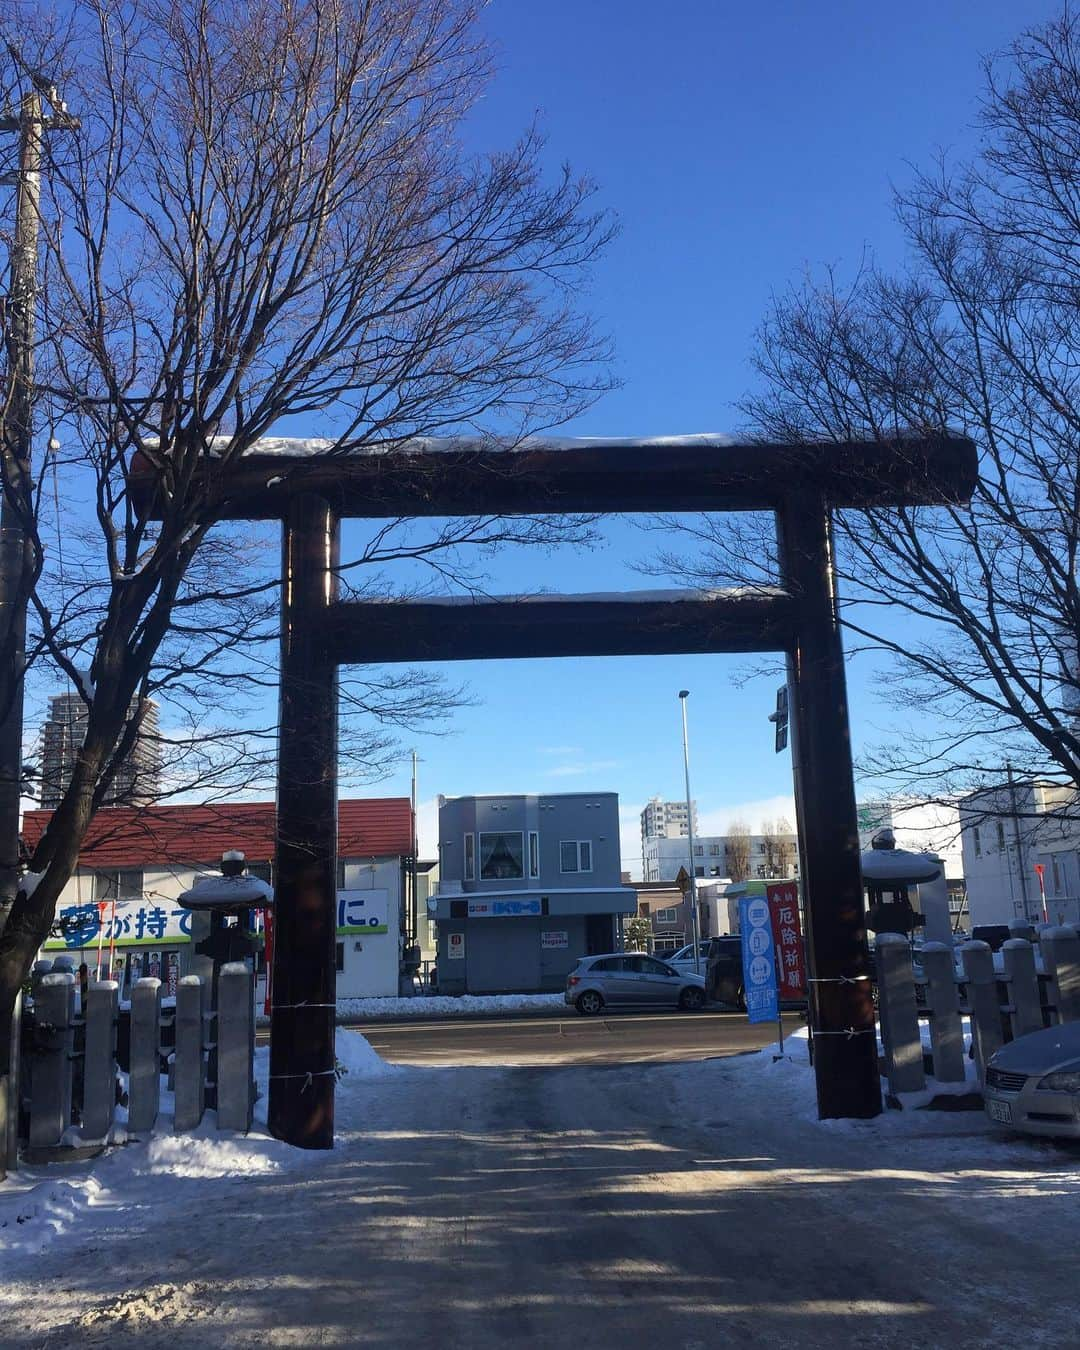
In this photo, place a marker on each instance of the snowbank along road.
(684, 1206)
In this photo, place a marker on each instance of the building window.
(339, 958)
(534, 854)
(667, 916)
(977, 841)
(501, 856)
(699, 851)
(666, 944)
(575, 855)
(1001, 836)
(260, 870)
(699, 871)
(125, 884)
(470, 857)
(643, 908)
(714, 850)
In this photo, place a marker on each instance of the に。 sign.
(363, 911)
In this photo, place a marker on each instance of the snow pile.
(356, 1059)
(782, 1086)
(443, 1005)
(40, 1204)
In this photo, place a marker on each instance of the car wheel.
(589, 1003)
(692, 1000)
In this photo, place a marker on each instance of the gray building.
(527, 886)
(137, 781)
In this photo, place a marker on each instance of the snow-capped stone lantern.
(888, 873)
(220, 904)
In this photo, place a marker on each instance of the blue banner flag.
(759, 962)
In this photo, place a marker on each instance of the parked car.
(631, 980)
(683, 959)
(1033, 1083)
(724, 974)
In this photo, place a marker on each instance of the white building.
(1009, 832)
(666, 820)
(714, 857)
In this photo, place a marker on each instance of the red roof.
(122, 836)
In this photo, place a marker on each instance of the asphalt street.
(626, 1038)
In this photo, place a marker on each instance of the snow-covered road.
(683, 1206)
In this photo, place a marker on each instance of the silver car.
(683, 959)
(631, 980)
(1033, 1083)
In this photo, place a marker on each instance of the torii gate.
(802, 484)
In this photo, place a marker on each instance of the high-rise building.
(137, 781)
(665, 820)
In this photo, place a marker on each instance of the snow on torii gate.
(310, 491)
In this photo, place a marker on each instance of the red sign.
(783, 901)
(268, 954)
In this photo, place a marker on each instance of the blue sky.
(740, 145)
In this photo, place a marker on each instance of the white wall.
(372, 960)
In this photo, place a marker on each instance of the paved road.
(660, 1037)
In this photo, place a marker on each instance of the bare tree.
(737, 850)
(973, 612)
(268, 213)
(778, 839)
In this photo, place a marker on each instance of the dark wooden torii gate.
(802, 484)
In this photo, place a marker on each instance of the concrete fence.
(1028, 985)
(71, 1075)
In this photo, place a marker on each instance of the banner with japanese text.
(783, 900)
(134, 923)
(759, 966)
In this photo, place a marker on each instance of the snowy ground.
(680, 1205)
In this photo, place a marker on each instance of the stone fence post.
(1061, 957)
(899, 1014)
(235, 1048)
(54, 1040)
(1025, 1001)
(144, 1079)
(946, 1028)
(99, 1066)
(981, 980)
(190, 1063)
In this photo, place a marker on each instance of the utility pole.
(684, 694)
(1015, 809)
(16, 548)
(414, 934)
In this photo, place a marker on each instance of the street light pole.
(684, 694)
